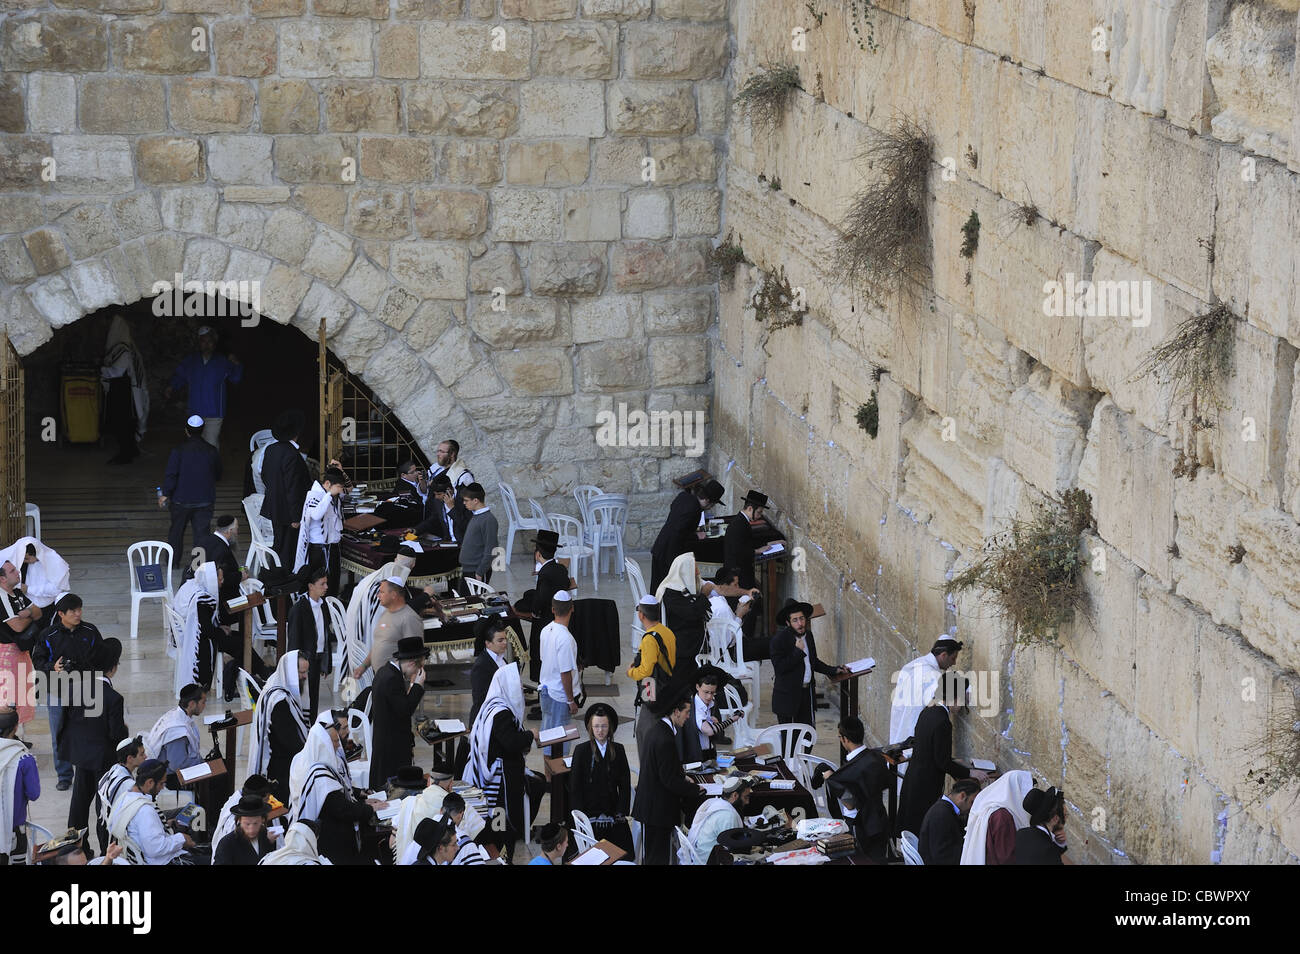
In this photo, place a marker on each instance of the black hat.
(740, 840)
(710, 490)
(1041, 804)
(430, 833)
(601, 709)
(547, 539)
(755, 499)
(946, 645)
(250, 805)
(791, 606)
(410, 647)
(410, 777)
(258, 785)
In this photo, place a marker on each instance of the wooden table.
(797, 802)
(614, 852)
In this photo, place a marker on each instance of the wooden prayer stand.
(208, 791)
(242, 718)
(559, 775)
(614, 852)
(281, 624)
(248, 627)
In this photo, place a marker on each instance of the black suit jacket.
(787, 661)
(90, 741)
(738, 548)
(604, 788)
(435, 520)
(234, 849)
(677, 536)
(287, 481)
(391, 708)
(301, 626)
(1035, 847)
(863, 781)
(941, 836)
(931, 760)
(689, 735)
(551, 578)
(480, 679)
(662, 786)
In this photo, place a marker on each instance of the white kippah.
(562, 596)
(648, 600)
(396, 581)
(194, 421)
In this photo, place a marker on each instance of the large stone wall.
(1133, 141)
(392, 167)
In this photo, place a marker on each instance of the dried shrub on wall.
(774, 301)
(884, 238)
(765, 95)
(725, 258)
(1031, 571)
(868, 416)
(970, 235)
(1276, 756)
(1197, 358)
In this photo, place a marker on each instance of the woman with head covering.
(498, 744)
(600, 782)
(43, 572)
(128, 390)
(193, 647)
(299, 847)
(320, 791)
(279, 728)
(686, 612)
(995, 816)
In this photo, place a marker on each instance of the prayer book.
(775, 546)
(150, 577)
(391, 810)
(449, 725)
(691, 766)
(984, 765)
(815, 829)
(712, 788)
(862, 665)
(471, 618)
(194, 772)
(238, 603)
(592, 856)
(558, 734)
(782, 785)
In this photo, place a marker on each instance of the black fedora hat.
(790, 606)
(410, 647)
(710, 490)
(546, 538)
(410, 777)
(250, 805)
(755, 499)
(598, 709)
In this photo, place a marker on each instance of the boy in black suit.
(309, 630)
(1043, 842)
(661, 785)
(944, 827)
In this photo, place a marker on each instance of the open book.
(557, 734)
(862, 665)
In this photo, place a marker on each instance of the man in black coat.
(394, 697)
(492, 639)
(705, 722)
(66, 645)
(857, 788)
(738, 548)
(794, 659)
(189, 487)
(89, 735)
(446, 516)
(661, 785)
(932, 754)
(551, 578)
(249, 842)
(309, 630)
(677, 536)
(943, 830)
(1043, 841)
(285, 475)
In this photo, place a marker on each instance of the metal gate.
(13, 445)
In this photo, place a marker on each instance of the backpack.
(652, 685)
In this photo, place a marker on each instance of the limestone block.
(678, 312)
(680, 161)
(1250, 59)
(677, 52)
(397, 307)
(164, 159)
(552, 108)
(581, 50)
(210, 105)
(692, 9)
(472, 162)
(94, 285)
(395, 372)
(537, 372)
(111, 104)
(621, 160)
(137, 214)
(680, 359)
(56, 302)
(1180, 210)
(365, 283)
(335, 49)
(712, 98)
(27, 329)
(1188, 95)
(205, 259)
(498, 267)
(378, 213)
(651, 108)
(51, 102)
(430, 9)
(608, 318)
(322, 302)
(398, 51)
(462, 109)
(616, 9)
(91, 164)
(557, 162)
(288, 106)
(567, 269)
(593, 216)
(48, 250)
(374, 9)
(1257, 283)
(359, 340)
(21, 161)
(509, 414)
(262, 195)
(54, 41)
(613, 366)
(698, 211)
(464, 50)
(396, 160)
(1045, 430)
(934, 471)
(1251, 439)
(157, 45)
(20, 212)
(277, 8)
(1270, 608)
(430, 320)
(329, 255)
(1114, 178)
(220, 7)
(244, 47)
(649, 215)
(431, 269)
(521, 215)
(645, 265)
(524, 321)
(89, 230)
(240, 158)
(283, 290)
(1019, 32)
(362, 107)
(539, 9)
(1070, 39)
(1207, 511)
(165, 252)
(15, 264)
(1104, 637)
(449, 213)
(288, 236)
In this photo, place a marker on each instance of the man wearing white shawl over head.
(917, 683)
(193, 647)
(127, 402)
(364, 610)
(279, 727)
(995, 816)
(320, 791)
(498, 744)
(299, 847)
(44, 573)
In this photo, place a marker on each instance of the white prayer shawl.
(121, 358)
(363, 613)
(1007, 792)
(11, 753)
(47, 578)
(173, 725)
(505, 692)
(113, 782)
(681, 577)
(191, 600)
(129, 804)
(316, 771)
(281, 686)
(415, 809)
(298, 848)
(709, 808)
(321, 510)
(918, 681)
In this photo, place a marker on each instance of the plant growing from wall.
(884, 238)
(764, 97)
(863, 26)
(774, 301)
(970, 235)
(1197, 358)
(725, 258)
(1277, 754)
(869, 416)
(1031, 571)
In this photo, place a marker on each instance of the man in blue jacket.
(204, 375)
(190, 486)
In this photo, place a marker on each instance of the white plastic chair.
(248, 690)
(34, 518)
(260, 439)
(583, 494)
(737, 668)
(516, 520)
(911, 853)
(789, 739)
(741, 732)
(478, 587)
(257, 445)
(339, 626)
(584, 836)
(571, 546)
(264, 621)
(605, 529)
(142, 554)
(804, 767)
(685, 854)
(36, 834)
(260, 554)
(637, 582)
(360, 721)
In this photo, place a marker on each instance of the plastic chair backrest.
(584, 836)
(361, 720)
(539, 520)
(789, 739)
(911, 853)
(248, 688)
(685, 851)
(583, 494)
(609, 513)
(144, 553)
(259, 528)
(260, 439)
(635, 579)
(512, 505)
(36, 835)
(568, 528)
(479, 587)
(338, 617)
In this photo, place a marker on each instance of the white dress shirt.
(702, 716)
(318, 616)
